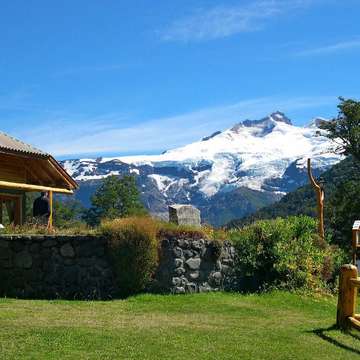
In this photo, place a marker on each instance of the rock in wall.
(71, 267)
(194, 265)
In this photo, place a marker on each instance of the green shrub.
(167, 229)
(214, 233)
(284, 253)
(133, 251)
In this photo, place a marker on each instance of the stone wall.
(195, 265)
(76, 267)
(71, 267)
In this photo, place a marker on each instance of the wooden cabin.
(23, 169)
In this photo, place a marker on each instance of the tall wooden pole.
(50, 222)
(320, 200)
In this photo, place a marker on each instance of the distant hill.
(303, 200)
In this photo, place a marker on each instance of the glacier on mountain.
(245, 155)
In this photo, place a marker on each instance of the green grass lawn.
(204, 326)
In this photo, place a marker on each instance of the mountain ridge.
(266, 156)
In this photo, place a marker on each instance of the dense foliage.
(133, 252)
(224, 205)
(342, 188)
(345, 129)
(115, 198)
(284, 253)
(67, 213)
(342, 210)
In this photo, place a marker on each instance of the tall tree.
(345, 129)
(116, 197)
(342, 210)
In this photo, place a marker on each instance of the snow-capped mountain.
(256, 160)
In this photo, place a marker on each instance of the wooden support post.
(17, 211)
(10, 211)
(23, 208)
(354, 246)
(347, 296)
(354, 243)
(50, 223)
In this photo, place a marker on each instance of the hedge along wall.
(77, 267)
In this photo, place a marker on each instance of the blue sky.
(79, 78)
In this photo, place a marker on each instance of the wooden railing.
(348, 290)
(349, 283)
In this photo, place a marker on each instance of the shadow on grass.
(355, 336)
(321, 333)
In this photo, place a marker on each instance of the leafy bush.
(284, 253)
(341, 211)
(67, 213)
(133, 248)
(133, 251)
(214, 233)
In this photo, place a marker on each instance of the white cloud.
(332, 48)
(223, 21)
(110, 134)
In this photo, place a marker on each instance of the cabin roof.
(42, 169)
(9, 143)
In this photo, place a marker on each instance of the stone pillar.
(184, 215)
